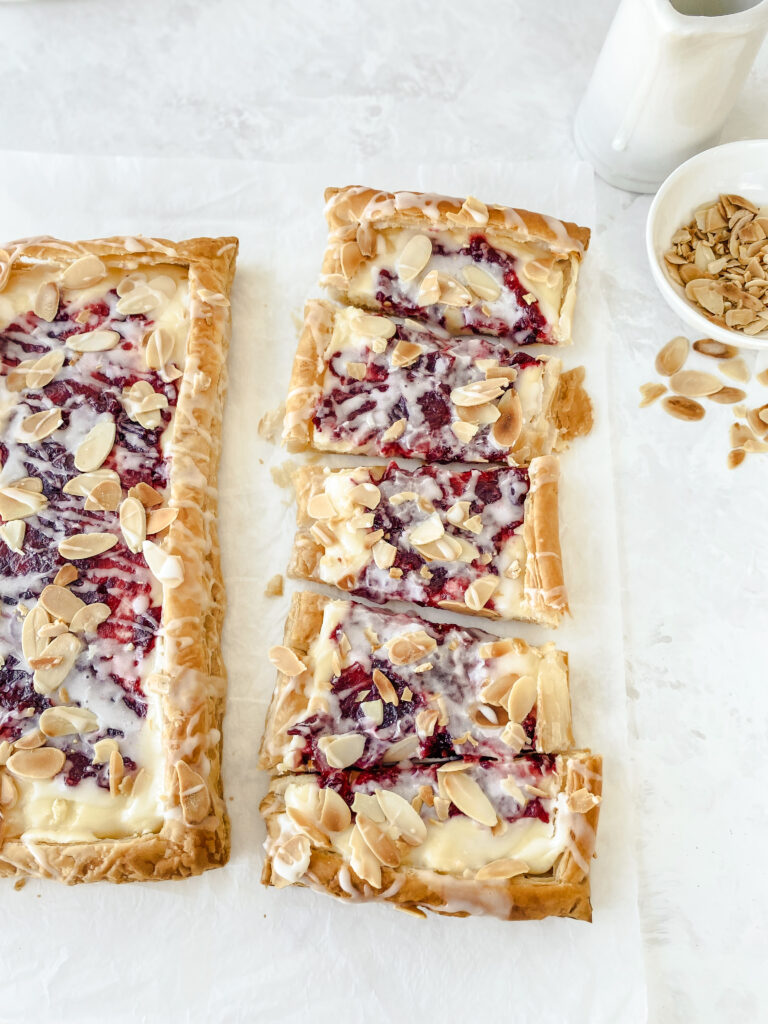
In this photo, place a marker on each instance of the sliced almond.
(414, 257)
(522, 698)
(480, 281)
(194, 795)
(60, 602)
(505, 867)
(95, 446)
(452, 293)
(464, 431)
(683, 408)
(39, 426)
(385, 687)
(43, 763)
(93, 341)
(672, 356)
(694, 383)
(320, 506)
(63, 651)
(728, 396)
(399, 813)
(373, 710)
(735, 457)
(479, 592)
(373, 326)
(9, 794)
(409, 647)
(68, 721)
(83, 484)
(429, 290)
(342, 751)
(378, 842)
(160, 519)
(650, 392)
(356, 370)
(351, 259)
(90, 617)
(158, 350)
(47, 301)
(141, 299)
(405, 353)
(43, 370)
(286, 661)
(84, 272)
(16, 502)
(167, 569)
(384, 554)
(715, 349)
(581, 801)
(367, 494)
(32, 644)
(479, 392)
(147, 495)
(13, 534)
(362, 860)
(465, 794)
(291, 859)
(30, 741)
(86, 545)
(335, 814)
(102, 750)
(736, 369)
(105, 497)
(133, 524)
(427, 531)
(394, 431)
(116, 772)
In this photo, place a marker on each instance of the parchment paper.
(221, 947)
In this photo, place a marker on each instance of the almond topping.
(67, 574)
(335, 815)
(60, 602)
(68, 721)
(356, 370)
(43, 763)
(409, 647)
(373, 326)
(366, 494)
(465, 794)
(159, 348)
(383, 554)
(362, 860)
(402, 816)
(342, 751)
(505, 867)
(479, 592)
(480, 281)
(84, 272)
(286, 661)
(86, 545)
(378, 842)
(8, 792)
(402, 750)
(30, 741)
(427, 531)
(194, 795)
(63, 651)
(522, 697)
(715, 349)
(373, 710)
(32, 645)
(683, 408)
(506, 429)
(43, 370)
(320, 506)
(291, 859)
(513, 735)
(728, 396)
(167, 569)
(104, 497)
(581, 801)
(133, 524)
(82, 485)
(406, 353)
(464, 431)
(41, 425)
(16, 502)
(672, 356)
(414, 257)
(96, 446)
(394, 431)
(47, 301)
(90, 617)
(694, 383)
(102, 750)
(160, 519)
(386, 689)
(13, 534)
(147, 495)
(479, 392)
(93, 341)
(429, 290)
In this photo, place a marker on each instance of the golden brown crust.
(306, 375)
(564, 892)
(193, 700)
(543, 568)
(544, 582)
(571, 407)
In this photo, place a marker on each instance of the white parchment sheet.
(221, 947)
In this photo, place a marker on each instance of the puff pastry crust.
(512, 840)
(478, 541)
(374, 385)
(465, 265)
(95, 310)
(406, 690)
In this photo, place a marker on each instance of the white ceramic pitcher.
(666, 79)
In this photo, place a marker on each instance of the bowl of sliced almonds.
(707, 241)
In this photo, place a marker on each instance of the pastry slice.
(512, 839)
(480, 541)
(374, 385)
(460, 264)
(111, 677)
(360, 687)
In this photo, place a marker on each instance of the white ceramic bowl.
(740, 167)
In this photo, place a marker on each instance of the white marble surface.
(499, 80)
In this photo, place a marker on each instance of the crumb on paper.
(270, 423)
(19, 884)
(274, 587)
(283, 474)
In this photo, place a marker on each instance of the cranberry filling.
(112, 663)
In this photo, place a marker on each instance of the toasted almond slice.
(320, 506)
(496, 691)
(86, 545)
(102, 750)
(133, 524)
(343, 750)
(373, 710)
(581, 801)
(452, 293)
(147, 495)
(715, 349)
(194, 795)
(385, 687)
(513, 735)
(335, 815)
(83, 272)
(141, 299)
(399, 813)
(32, 644)
(351, 258)
(160, 519)
(414, 257)
(362, 860)
(474, 524)
(428, 530)
(367, 494)
(373, 326)
(66, 648)
(356, 371)
(9, 794)
(93, 341)
(405, 353)
(394, 430)
(30, 740)
(116, 772)
(13, 534)
(43, 763)
(286, 661)
(505, 867)
(480, 281)
(409, 647)
(650, 392)
(378, 842)
(29, 483)
(60, 602)
(68, 721)
(735, 457)
(159, 348)
(167, 569)
(694, 383)
(95, 446)
(479, 592)
(402, 750)
(53, 629)
(672, 356)
(47, 301)
(429, 289)
(82, 485)
(478, 392)
(522, 697)
(17, 502)
(736, 369)
(465, 794)
(43, 370)
(728, 396)
(384, 554)
(39, 426)
(90, 617)
(290, 859)
(105, 497)
(683, 408)
(67, 574)
(464, 431)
